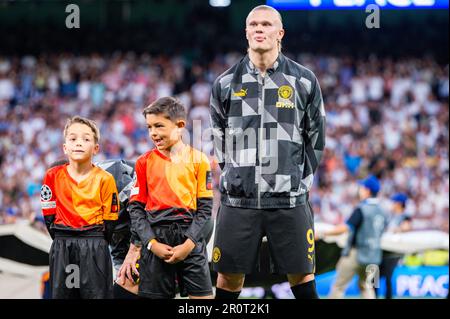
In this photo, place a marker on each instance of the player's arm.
(124, 197)
(48, 198)
(134, 239)
(405, 226)
(111, 206)
(352, 223)
(337, 230)
(48, 202)
(144, 231)
(315, 128)
(202, 216)
(140, 225)
(195, 233)
(218, 123)
(129, 265)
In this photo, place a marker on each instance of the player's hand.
(180, 252)
(129, 265)
(161, 250)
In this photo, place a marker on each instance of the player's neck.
(79, 170)
(263, 60)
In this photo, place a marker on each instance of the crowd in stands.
(386, 117)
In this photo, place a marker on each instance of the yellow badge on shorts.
(216, 254)
(285, 92)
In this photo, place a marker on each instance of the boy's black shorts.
(157, 279)
(289, 232)
(80, 267)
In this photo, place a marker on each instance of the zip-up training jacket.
(269, 133)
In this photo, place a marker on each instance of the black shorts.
(158, 279)
(289, 232)
(80, 267)
(121, 293)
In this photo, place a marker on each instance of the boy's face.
(163, 132)
(80, 145)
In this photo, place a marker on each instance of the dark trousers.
(387, 268)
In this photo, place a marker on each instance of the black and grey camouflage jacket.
(269, 133)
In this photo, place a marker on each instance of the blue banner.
(423, 281)
(357, 4)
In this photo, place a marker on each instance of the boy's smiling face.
(80, 144)
(164, 132)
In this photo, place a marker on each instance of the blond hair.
(265, 7)
(90, 123)
(269, 8)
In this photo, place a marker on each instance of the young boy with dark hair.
(80, 204)
(170, 205)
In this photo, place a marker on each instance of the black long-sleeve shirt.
(168, 190)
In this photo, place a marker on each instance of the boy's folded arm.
(201, 217)
(139, 222)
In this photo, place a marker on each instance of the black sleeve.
(109, 229)
(203, 214)
(208, 230)
(355, 219)
(315, 130)
(139, 223)
(135, 240)
(49, 220)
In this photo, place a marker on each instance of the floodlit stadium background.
(385, 91)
